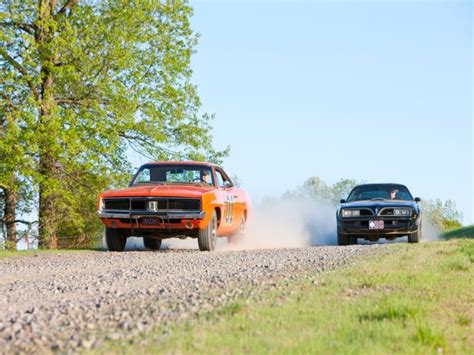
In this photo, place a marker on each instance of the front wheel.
(152, 244)
(415, 237)
(115, 239)
(207, 238)
(342, 239)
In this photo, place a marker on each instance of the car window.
(144, 176)
(174, 174)
(370, 192)
(220, 179)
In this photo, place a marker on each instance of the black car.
(374, 211)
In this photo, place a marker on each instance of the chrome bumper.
(165, 214)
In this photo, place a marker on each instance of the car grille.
(117, 204)
(163, 204)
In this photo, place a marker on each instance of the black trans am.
(374, 211)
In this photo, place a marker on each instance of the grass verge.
(418, 299)
(463, 232)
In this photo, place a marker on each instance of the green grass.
(418, 299)
(463, 232)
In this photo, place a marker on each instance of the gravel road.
(72, 301)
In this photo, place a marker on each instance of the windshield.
(380, 192)
(174, 174)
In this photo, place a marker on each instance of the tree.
(14, 117)
(442, 215)
(342, 188)
(315, 187)
(98, 78)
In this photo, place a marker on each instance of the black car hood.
(378, 204)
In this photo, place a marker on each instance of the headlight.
(350, 213)
(101, 205)
(402, 212)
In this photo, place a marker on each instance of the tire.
(342, 239)
(239, 235)
(207, 237)
(415, 237)
(152, 244)
(115, 239)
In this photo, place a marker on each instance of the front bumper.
(163, 220)
(392, 226)
(162, 215)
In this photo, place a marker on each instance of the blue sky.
(377, 91)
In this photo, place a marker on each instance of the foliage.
(443, 215)
(317, 188)
(84, 82)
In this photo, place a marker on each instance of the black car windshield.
(173, 174)
(380, 192)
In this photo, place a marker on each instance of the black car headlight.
(402, 212)
(345, 212)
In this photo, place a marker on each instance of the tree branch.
(28, 28)
(18, 221)
(20, 69)
(68, 5)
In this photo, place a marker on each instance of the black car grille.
(117, 204)
(163, 204)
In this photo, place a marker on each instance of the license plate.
(376, 225)
(150, 221)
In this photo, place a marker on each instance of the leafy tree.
(342, 188)
(97, 78)
(443, 215)
(15, 163)
(315, 187)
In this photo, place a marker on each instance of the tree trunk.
(9, 217)
(48, 145)
(48, 197)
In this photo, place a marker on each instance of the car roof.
(382, 184)
(181, 162)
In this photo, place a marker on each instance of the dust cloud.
(289, 223)
(429, 232)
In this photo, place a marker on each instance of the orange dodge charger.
(175, 199)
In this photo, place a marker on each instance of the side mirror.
(417, 199)
(227, 184)
(342, 200)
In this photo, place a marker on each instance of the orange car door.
(228, 195)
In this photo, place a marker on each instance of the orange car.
(175, 199)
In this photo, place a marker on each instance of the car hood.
(378, 204)
(159, 190)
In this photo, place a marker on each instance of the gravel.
(72, 301)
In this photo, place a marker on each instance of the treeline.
(442, 214)
(82, 83)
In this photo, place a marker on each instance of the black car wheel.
(115, 239)
(152, 244)
(208, 236)
(415, 237)
(342, 239)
